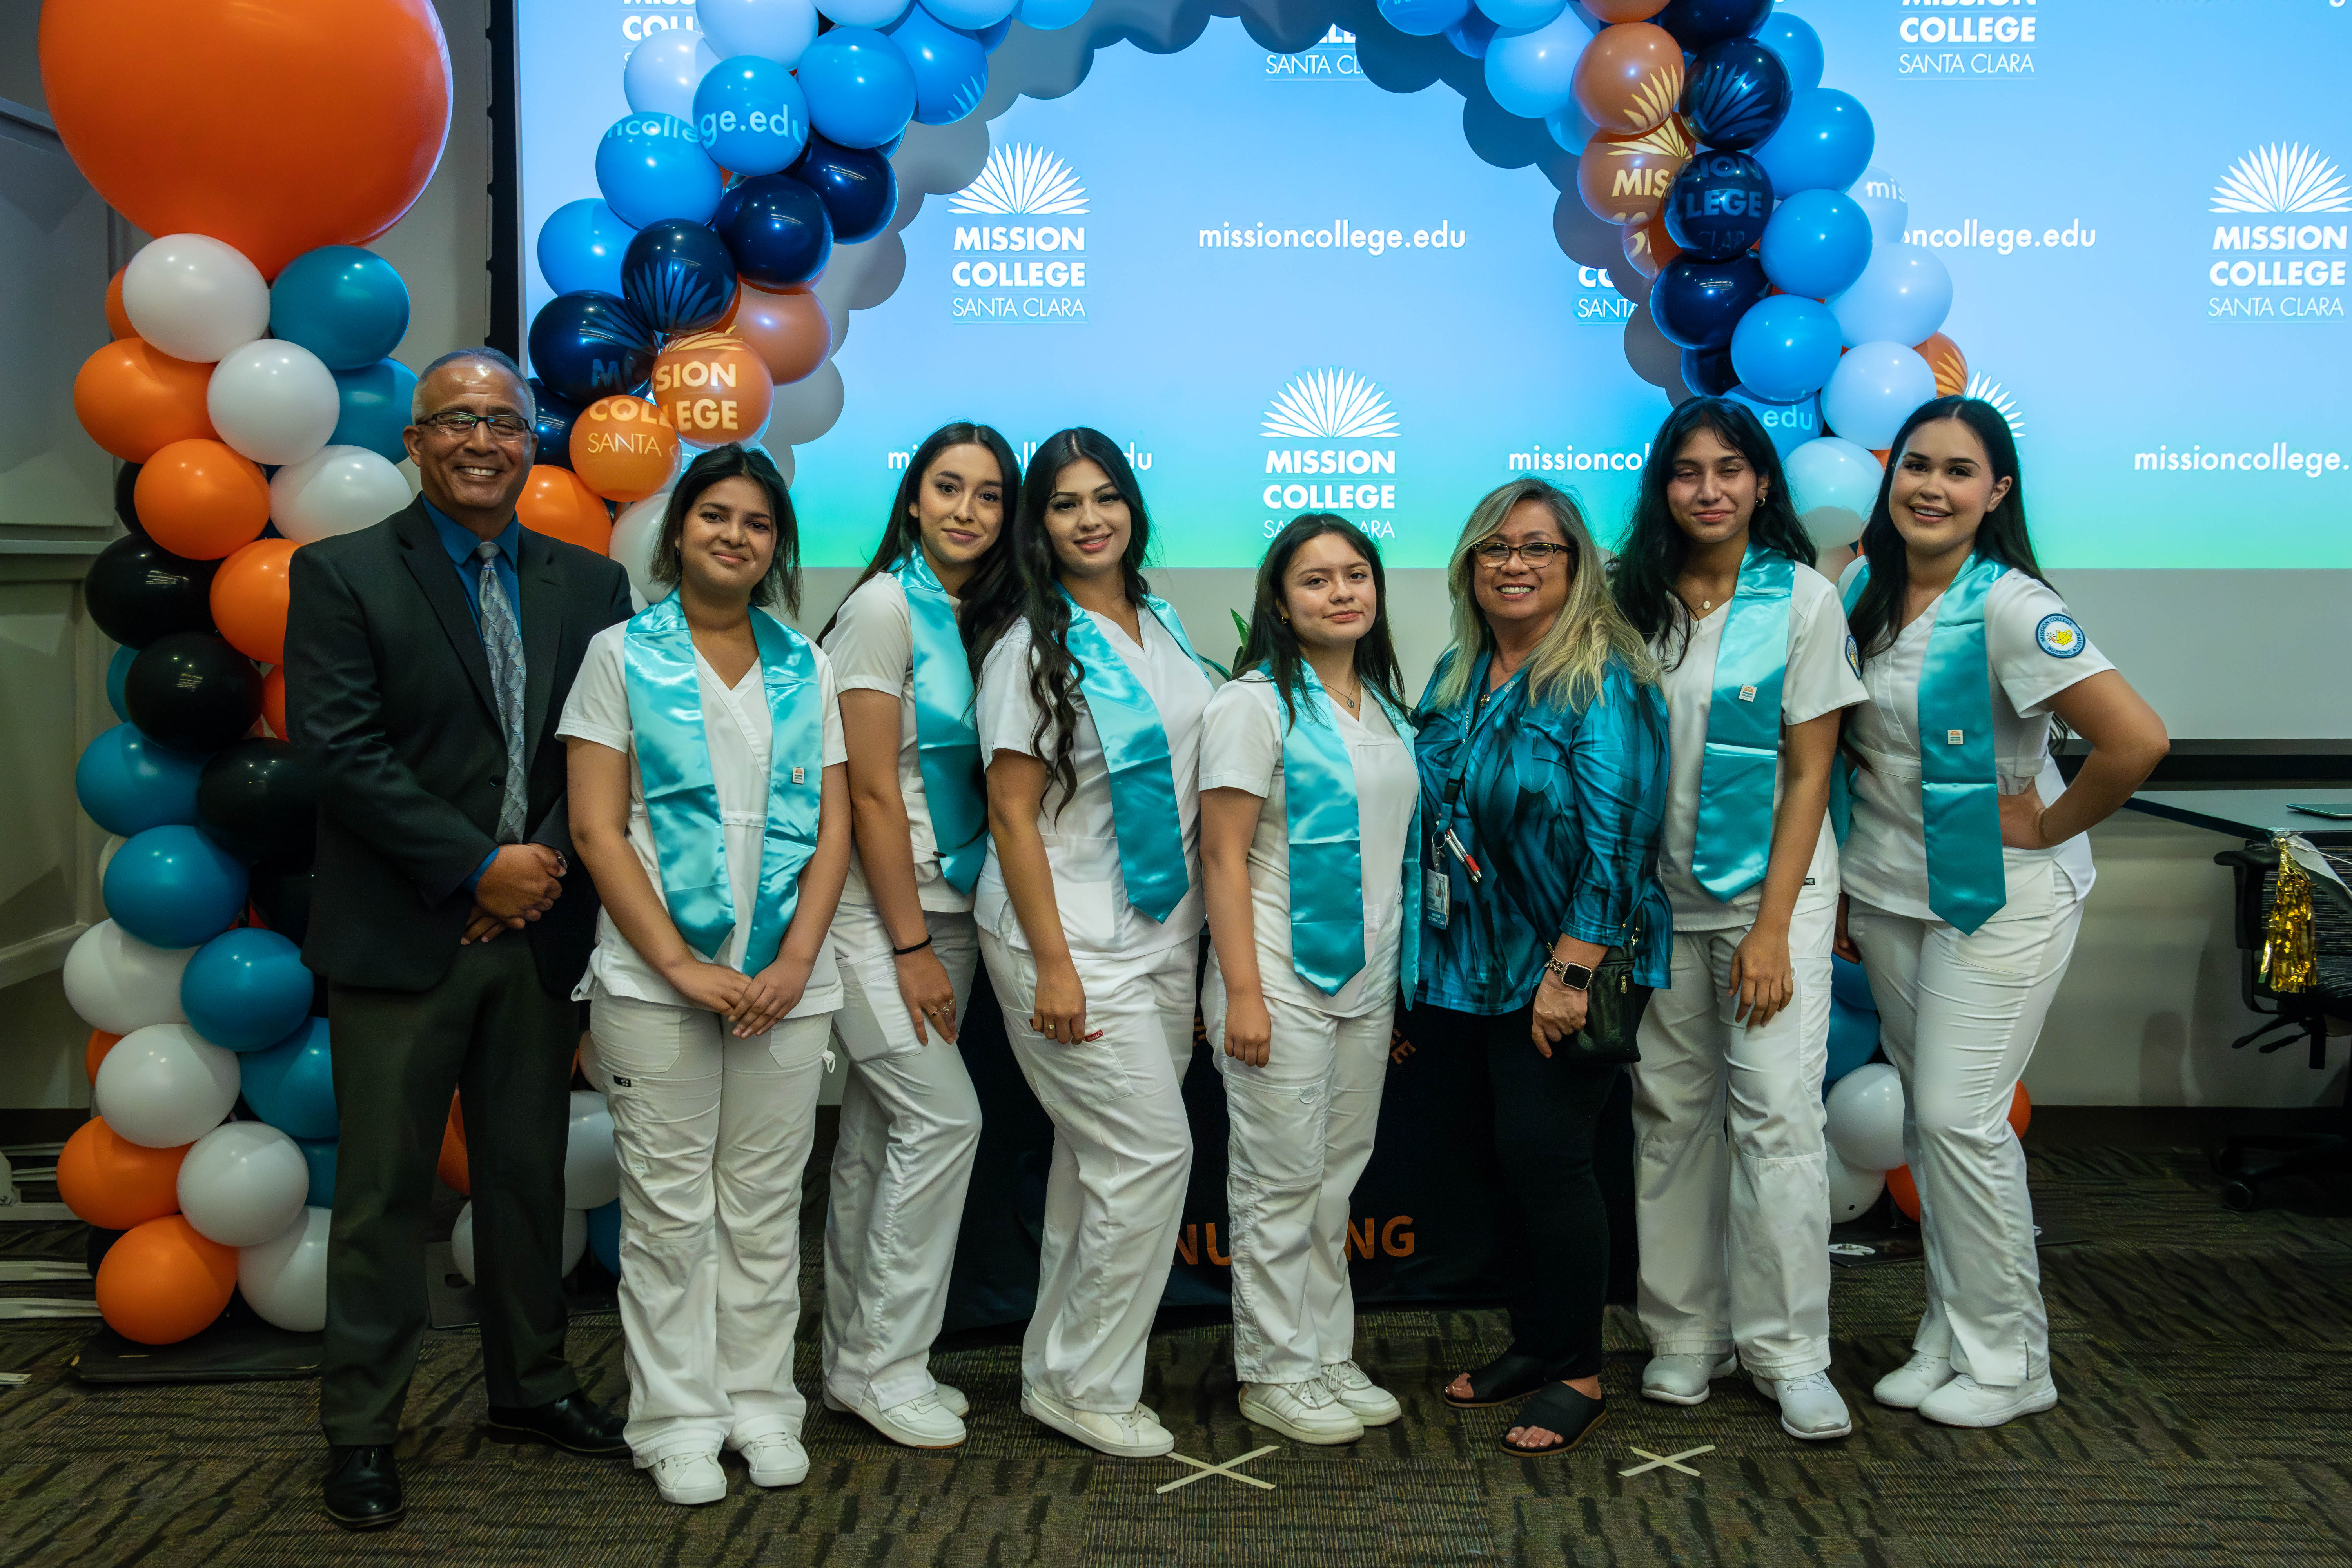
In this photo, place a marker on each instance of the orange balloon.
(161, 1282)
(2020, 1112)
(273, 701)
(1905, 1190)
(100, 1042)
(117, 320)
(788, 329)
(113, 1184)
(134, 399)
(1629, 77)
(250, 594)
(1650, 248)
(1623, 179)
(557, 504)
(453, 1169)
(623, 448)
(714, 386)
(201, 500)
(1951, 365)
(278, 128)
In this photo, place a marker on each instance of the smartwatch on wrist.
(1575, 977)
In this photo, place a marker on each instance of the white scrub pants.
(1734, 1250)
(712, 1133)
(1122, 1154)
(1302, 1134)
(1959, 1015)
(909, 1128)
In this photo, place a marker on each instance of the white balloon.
(592, 1167)
(863, 13)
(777, 30)
(1880, 195)
(1874, 390)
(1865, 1117)
(243, 1184)
(664, 71)
(274, 401)
(195, 298)
(116, 982)
(285, 1279)
(338, 490)
(633, 534)
(1852, 1192)
(1833, 483)
(166, 1085)
(461, 1241)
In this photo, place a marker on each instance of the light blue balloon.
(245, 990)
(1531, 71)
(1472, 33)
(1785, 347)
(949, 65)
(174, 887)
(1833, 484)
(777, 30)
(318, 1153)
(1521, 14)
(1903, 297)
(1854, 1040)
(861, 90)
(118, 670)
(1825, 144)
(662, 72)
(291, 1086)
(344, 304)
(1816, 244)
(1569, 127)
(751, 116)
(652, 166)
(375, 403)
(128, 783)
(1791, 424)
(605, 1236)
(1799, 46)
(1423, 19)
(580, 246)
(870, 12)
(971, 16)
(1880, 195)
(1850, 983)
(1874, 389)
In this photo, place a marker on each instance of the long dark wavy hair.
(1025, 587)
(1273, 642)
(2002, 535)
(1654, 549)
(735, 461)
(904, 529)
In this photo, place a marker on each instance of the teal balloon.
(318, 1153)
(291, 1086)
(580, 246)
(1789, 37)
(652, 166)
(374, 403)
(344, 304)
(128, 783)
(174, 887)
(751, 115)
(1850, 983)
(605, 1236)
(1854, 1040)
(1817, 244)
(1823, 145)
(1786, 347)
(116, 669)
(246, 989)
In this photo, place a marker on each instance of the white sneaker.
(947, 1394)
(1682, 1379)
(1130, 1435)
(1303, 1412)
(777, 1459)
(690, 1478)
(922, 1422)
(1811, 1407)
(1373, 1406)
(1965, 1402)
(1908, 1384)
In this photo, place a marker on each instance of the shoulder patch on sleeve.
(1853, 656)
(2060, 637)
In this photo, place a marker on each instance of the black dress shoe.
(363, 1487)
(571, 1421)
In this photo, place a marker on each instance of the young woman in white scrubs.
(1089, 912)
(1965, 871)
(905, 938)
(708, 804)
(1307, 934)
(1716, 573)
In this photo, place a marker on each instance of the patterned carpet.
(2201, 1356)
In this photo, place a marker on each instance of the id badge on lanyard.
(1449, 857)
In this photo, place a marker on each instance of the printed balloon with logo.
(1736, 94)
(678, 277)
(1624, 179)
(751, 115)
(652, 166)
(590, 345)
(949, 67)
(1629, 77)
(1718, 204)
(623, 448)
(713, 387)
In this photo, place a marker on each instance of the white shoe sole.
(1037, 1410)
(774, 1480)
(715, 1492)
(1904, 1402)
(1379, 1416)
(2033, 1404)
(1321, 1438)
(905, 1437)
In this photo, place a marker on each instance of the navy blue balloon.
(318, 1153)
(1696, 304)
(1735, 94)
(1708, 373)
(556, 417)
(1850, 985)
(1718, 205)
(174, 887)
(857, 185)
(128, 784)
(777, 228)
(291, 1086)
(1695, 24)
(676, 276)
(245, 990)
(117, 670)
(374, 404)
(590, 345)
(1854, 1040)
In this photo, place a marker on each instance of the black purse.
(1613, 1004)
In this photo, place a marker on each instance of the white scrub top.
(1820, 679)
(1240, 748)
(736, 724)
(2036, 650)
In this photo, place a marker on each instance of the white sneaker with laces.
(1682, 1379)
(1965, 1402)
(1908, 1384)
(688, 1478)
(922, 1422)
(1129, 1435)
(1811, 1407)
(1303, 1412)
(777, 1459)
(947, 1394)
(1373, 1406)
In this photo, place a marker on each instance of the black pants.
(491, 1031)
(1553, 1236)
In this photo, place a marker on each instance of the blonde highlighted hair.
(1568, 664)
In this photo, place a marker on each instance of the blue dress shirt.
(461, 541)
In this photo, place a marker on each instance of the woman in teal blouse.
(1543, 756)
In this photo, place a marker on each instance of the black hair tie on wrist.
(903, 952)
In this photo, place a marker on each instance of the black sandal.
(1508, 1377)
(1561, 1409)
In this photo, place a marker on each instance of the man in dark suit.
(427, 662)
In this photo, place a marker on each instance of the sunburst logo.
(1022, 179)
(1325, 404)
(1985, 388)
(2282, 178)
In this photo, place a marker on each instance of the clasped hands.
(522, 883)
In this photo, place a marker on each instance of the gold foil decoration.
(2287, 964)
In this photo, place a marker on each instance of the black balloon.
(678, 276)
(589, 344)
(125, 482)
(1695, 24)
(859, 189)
(138, 591)
(1696, 304)
(1736, 94)
(284, 900)
(1717, 205)
(192, 690)
(1706, 372)
(556, 413)
(259, 800)
(777, 228)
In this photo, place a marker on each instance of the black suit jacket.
(388, 691)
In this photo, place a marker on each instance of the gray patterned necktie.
(502, 641)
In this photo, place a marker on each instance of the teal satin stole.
(1734, 840)
(1135, 751)
(682, 800)
(1324, 819)
(1960, 787)
(947, 745)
